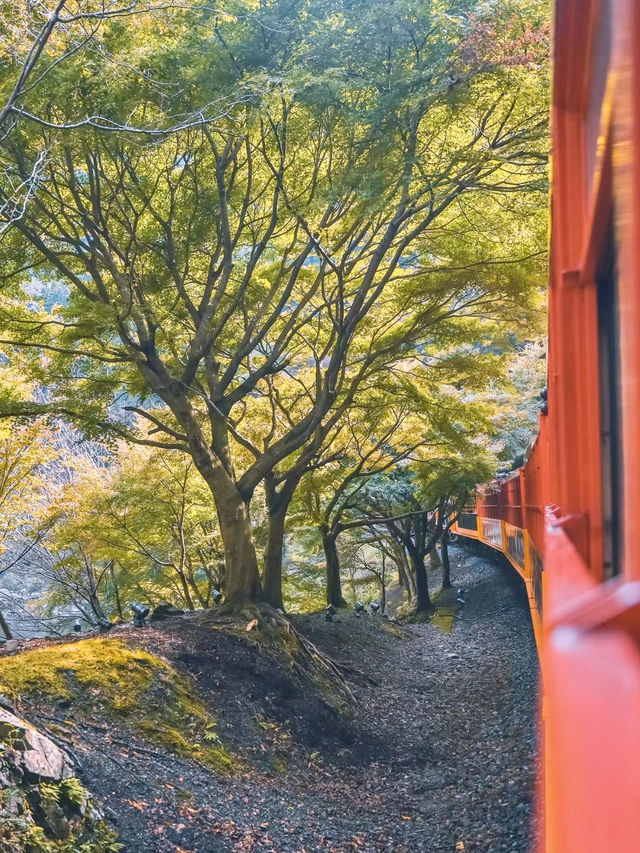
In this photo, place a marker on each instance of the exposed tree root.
(266, 619)
(321, 661)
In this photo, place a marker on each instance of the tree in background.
(362, 198)
(413, 505)
(137, 528)
(26, 449)
(414, 436)
(516, 402)
(382, 429)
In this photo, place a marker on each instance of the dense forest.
(271, 293)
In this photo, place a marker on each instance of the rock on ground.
(42, 806)
(32, 754)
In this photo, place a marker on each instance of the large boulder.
(42, 804)
(31, 752)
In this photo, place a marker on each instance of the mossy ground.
(132, 687)
(49, 817)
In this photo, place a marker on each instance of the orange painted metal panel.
(591, 720)
(591, 647)
(626, 164)
(591, 656)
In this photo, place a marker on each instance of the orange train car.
(569, 520)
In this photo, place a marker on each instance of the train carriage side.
(578, 496)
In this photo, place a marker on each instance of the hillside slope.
(195, 737)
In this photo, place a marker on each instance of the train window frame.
(610, 406)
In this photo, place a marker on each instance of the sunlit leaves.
(350, 207)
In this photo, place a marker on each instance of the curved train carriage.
(569, 520)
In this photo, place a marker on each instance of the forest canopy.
(264, 267)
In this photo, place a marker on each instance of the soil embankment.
(249, 754)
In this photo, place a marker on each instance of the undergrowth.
(50, 817)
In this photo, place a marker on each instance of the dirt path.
(439, 756)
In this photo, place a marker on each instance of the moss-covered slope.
(106, 679)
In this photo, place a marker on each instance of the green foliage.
(177, 208)
(132, 687)
(25, 452)
(139, 525)
(33, 839)
(369, 202)
(516, 402)
(72, 790)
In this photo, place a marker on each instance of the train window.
(610, 421)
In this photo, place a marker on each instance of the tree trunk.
(405, 572)
(277, 505)
(5, 628)
(195, 590)
(86, 615)
(242, 578)
(334, 584)
(94, 600)
(96, 606)
(434, 558)
(186, 592)
(116, 592)
(272, 576)
(423, 600)
(446, 564)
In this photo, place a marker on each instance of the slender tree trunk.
(434, 558)
(405, 572)
(96, 606)
(446, 564)
(383, 584)
(423, 599)
(272, 576)
(193, 586)
(5, 628)
(334, 583)
(186, 592)
(94, 600)
(116, 592)
(88, 618)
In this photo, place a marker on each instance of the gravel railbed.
(457, 715)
